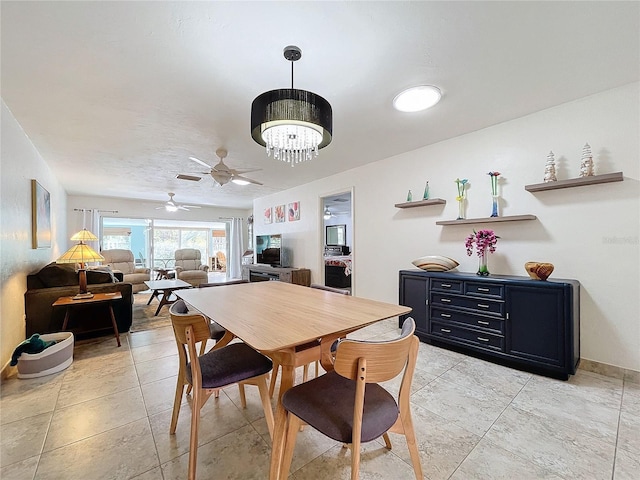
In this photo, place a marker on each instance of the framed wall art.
(267, 215)
(294, 211)
(40, 216)
(280, 213)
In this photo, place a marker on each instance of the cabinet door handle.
(445, 285)
(482, 289)
(483, 323)
(445, 315)
(445, 300)
(482, 305)
(445, 330)
(482, 339)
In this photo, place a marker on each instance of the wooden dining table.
(275, 317)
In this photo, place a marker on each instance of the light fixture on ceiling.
(327, 213)
(416, 99)
(238, 181)
(291, 124)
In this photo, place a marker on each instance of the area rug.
(143, 314)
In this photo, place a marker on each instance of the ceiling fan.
(222, 174)
(172, 206)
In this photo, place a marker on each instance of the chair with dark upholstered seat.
(218, 368)
(348, 404)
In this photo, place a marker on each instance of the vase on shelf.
(483, 269)
(494, 210)
(460, 209)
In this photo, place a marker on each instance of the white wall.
(589, 233)
(19, 163)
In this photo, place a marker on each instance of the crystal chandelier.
(291, 124)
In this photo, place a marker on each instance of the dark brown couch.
(60, 280)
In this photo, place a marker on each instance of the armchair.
(189, 267)
(123, 261)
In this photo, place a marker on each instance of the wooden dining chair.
(218, 368)
(349, 405)
(309, 352)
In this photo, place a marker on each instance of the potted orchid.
(485, 242)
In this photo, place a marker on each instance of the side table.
(101, 298)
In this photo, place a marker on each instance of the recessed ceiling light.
(415, 99)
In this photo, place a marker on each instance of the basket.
(53, 359)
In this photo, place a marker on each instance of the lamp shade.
(80, 253)
(84, 235)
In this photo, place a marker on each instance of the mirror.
(336, 235)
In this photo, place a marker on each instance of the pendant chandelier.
(291, 124)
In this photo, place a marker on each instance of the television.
(270, 251)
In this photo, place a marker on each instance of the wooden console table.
(103, 298)
(260, 273)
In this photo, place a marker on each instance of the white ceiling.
(117, 95)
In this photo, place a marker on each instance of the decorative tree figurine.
(550, 169)
(494, 192)
(586, 165)
(461, 196)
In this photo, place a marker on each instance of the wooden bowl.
(539, 270)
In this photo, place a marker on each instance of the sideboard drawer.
(485, 289)
(480, 305)
(481, 339)
(446, 285)
(491, 325)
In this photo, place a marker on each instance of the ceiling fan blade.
(182, 207)
(250, 180)
(244, 170)
(191, 206)
(200, 162)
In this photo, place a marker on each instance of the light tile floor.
(107, 417)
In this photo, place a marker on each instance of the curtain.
(236, 249)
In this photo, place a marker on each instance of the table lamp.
(81, 253)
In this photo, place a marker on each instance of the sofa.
(189, 267)
(123, 261)
(61, 280)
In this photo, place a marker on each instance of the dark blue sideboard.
(528, 324)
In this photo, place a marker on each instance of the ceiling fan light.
(327, 214)
(416, 99)
(239, 181)
(171, 208)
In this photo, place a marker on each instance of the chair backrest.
(341, 291)
(188, 258)
(119, 259)
(222, 258)
(220, 284)
(384, 360)
(182, 318)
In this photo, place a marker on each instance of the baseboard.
(625, 374)
(7, 371)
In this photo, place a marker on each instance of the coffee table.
(162, 289)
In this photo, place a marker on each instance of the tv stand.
(261, 273)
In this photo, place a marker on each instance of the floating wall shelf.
(421, 203)
(575, 182)
(464, 221)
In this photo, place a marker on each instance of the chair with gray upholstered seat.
(349, 405)
(218, 368)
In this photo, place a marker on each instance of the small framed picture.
(40, 216)
(268, 218)
(280, 213)
(294, 211)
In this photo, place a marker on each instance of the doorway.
(337, 239)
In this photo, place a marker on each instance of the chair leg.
(243, 397)
(412, 444)
(274, 375)
(193, 440)
(305, 372)
(293, 424)
(355, 458)
(317, 368)
(176, 405)
(266, 404)
(387, 441)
